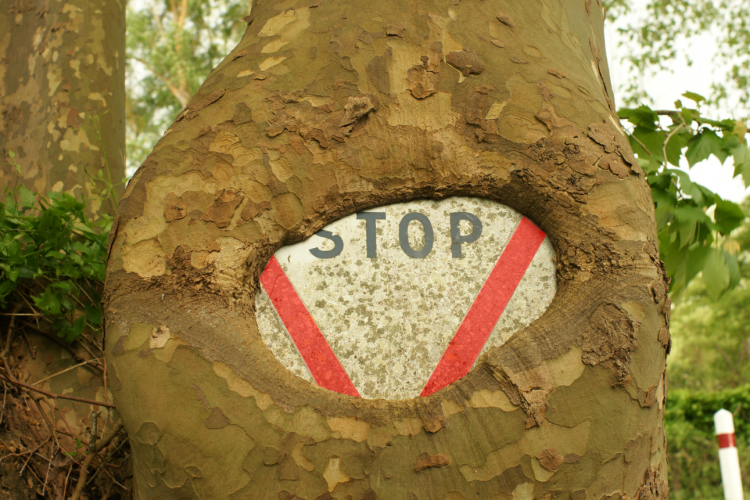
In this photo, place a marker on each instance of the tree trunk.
(62, 96)
(62, 113)
(326, 108)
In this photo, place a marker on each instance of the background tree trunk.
(62, 110)
(64, 66)
(326, 108)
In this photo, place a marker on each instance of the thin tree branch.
(666, 141)
(64, 371)
(103, 443)
(55, 396)
(642, 145)
(5, 393)
(31, 454)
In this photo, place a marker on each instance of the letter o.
(403, 235)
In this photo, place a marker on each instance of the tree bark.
(326, 108)
(62, 85)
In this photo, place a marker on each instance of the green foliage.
(52, 259)
(694, 224)
(691, 441)
(711, 338)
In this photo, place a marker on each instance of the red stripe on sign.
(320, 359)
(727, 440)
(487, 308)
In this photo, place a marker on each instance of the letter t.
(370, 218)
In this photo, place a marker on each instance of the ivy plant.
(52, 259)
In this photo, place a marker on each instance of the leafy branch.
(694, 224)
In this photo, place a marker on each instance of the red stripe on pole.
(727, 441)
(320, 359)
(487, 308)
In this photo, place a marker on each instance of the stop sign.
(399, 301)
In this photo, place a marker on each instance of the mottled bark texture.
(62, 63)
(328, 107)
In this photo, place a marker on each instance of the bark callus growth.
(327, 108)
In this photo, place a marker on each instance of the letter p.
(457, 239)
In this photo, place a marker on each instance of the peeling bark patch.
(506, 20)
(394, 30)
(647, 398)
(221, 211)
(320, 123)
(174, 208)
(356, 108)
(664, 337)
(422, 83)
(217, 419)
(242, 114)
(251, 210)
(159, 337)
(333, 474)
(199, 103)
(377, 70)
(556, 73)
(613, 142)
(550, 459)
(653, 487)
(611, 336)
(426, 461)
(614, 164)
(466, 61)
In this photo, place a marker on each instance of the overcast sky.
(666, 87)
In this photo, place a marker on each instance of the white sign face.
(399, 301)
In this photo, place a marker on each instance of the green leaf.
(741, 156)
(696, 192)
(716, 273)
(6, 287)
(26, 197)
(642, 116)
(48, 302)
(702, 146)
(94, 314)
(728, 215)
(696, 260)
(75, 329)
(687, 115)
(690, 213)
(652, 139)
(696, 98)
(734, 270)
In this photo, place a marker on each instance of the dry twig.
(103, 443)
(56, 396)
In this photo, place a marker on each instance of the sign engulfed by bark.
(394, 250)
(399, 301)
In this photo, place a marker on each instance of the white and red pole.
(729, 460)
